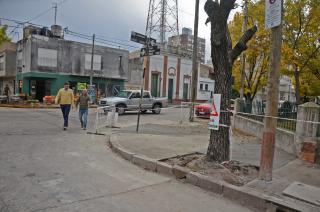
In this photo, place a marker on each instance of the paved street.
(43, 168)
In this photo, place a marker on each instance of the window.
(96, 62)
(201, 87)
(19, 59)
(116, 89)
(146, 95)
(47, 57)
(1, 62)
(206, 87)
(135, 95)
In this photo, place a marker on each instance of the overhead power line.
(38, 16)
(100, 40)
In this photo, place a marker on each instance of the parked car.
(203, 110)
(128, 100)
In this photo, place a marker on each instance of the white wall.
(172, 62)
(156, 65)
(186, 69)
(203, 94)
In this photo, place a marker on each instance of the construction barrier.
(106, 116)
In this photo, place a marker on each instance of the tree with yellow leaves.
(301, 46)
(257, 54)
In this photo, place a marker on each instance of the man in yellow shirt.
(65, 98)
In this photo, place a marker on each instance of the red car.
(203, 110)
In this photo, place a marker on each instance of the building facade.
(8, 66)
(44, 63)
(286, 91)
(170, 76)
(185, 42)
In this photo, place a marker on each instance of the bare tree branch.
(242, 44)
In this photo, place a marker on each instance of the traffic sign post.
(142, 39)
(215, 112)
(273, 16)
(150, 49)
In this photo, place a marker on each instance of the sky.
(108, 19)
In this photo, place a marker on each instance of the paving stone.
(304, 192)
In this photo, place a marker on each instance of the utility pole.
(55, 6)
(141, 96)
(194, 62)
(270, 122)
(92, 56)
(243, 55)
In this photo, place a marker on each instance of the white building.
(170, 76)
(286, 90)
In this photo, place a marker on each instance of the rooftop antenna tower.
(163, 19)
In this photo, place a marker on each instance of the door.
(170, 90)
(154, 85)
(146, 100)
(133, 102)
(40, 90)
(185, 91)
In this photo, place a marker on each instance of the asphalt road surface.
(43, 168)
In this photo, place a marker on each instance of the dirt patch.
(233, 172)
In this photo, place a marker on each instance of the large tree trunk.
(297, 81)
(223, 57)
(218, 149)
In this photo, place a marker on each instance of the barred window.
(1, 62)
(96, 62)
(47, 57)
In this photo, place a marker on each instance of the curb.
(248, 197)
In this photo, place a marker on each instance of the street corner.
(118, 149)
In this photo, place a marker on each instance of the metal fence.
(287, 113)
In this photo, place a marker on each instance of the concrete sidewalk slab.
(303, 192)
(171, 141)
(159, 141)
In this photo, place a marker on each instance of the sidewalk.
(157, 142)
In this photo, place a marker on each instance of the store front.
(36, 85)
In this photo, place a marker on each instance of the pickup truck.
(128, 100)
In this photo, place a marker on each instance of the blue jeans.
(65, 112)
(83, 115)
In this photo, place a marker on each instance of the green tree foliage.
(3, 35)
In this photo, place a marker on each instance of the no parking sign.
(215, 112)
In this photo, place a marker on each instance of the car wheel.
(121, 109)
(156, 109)
(143, 111)
(197, 113)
